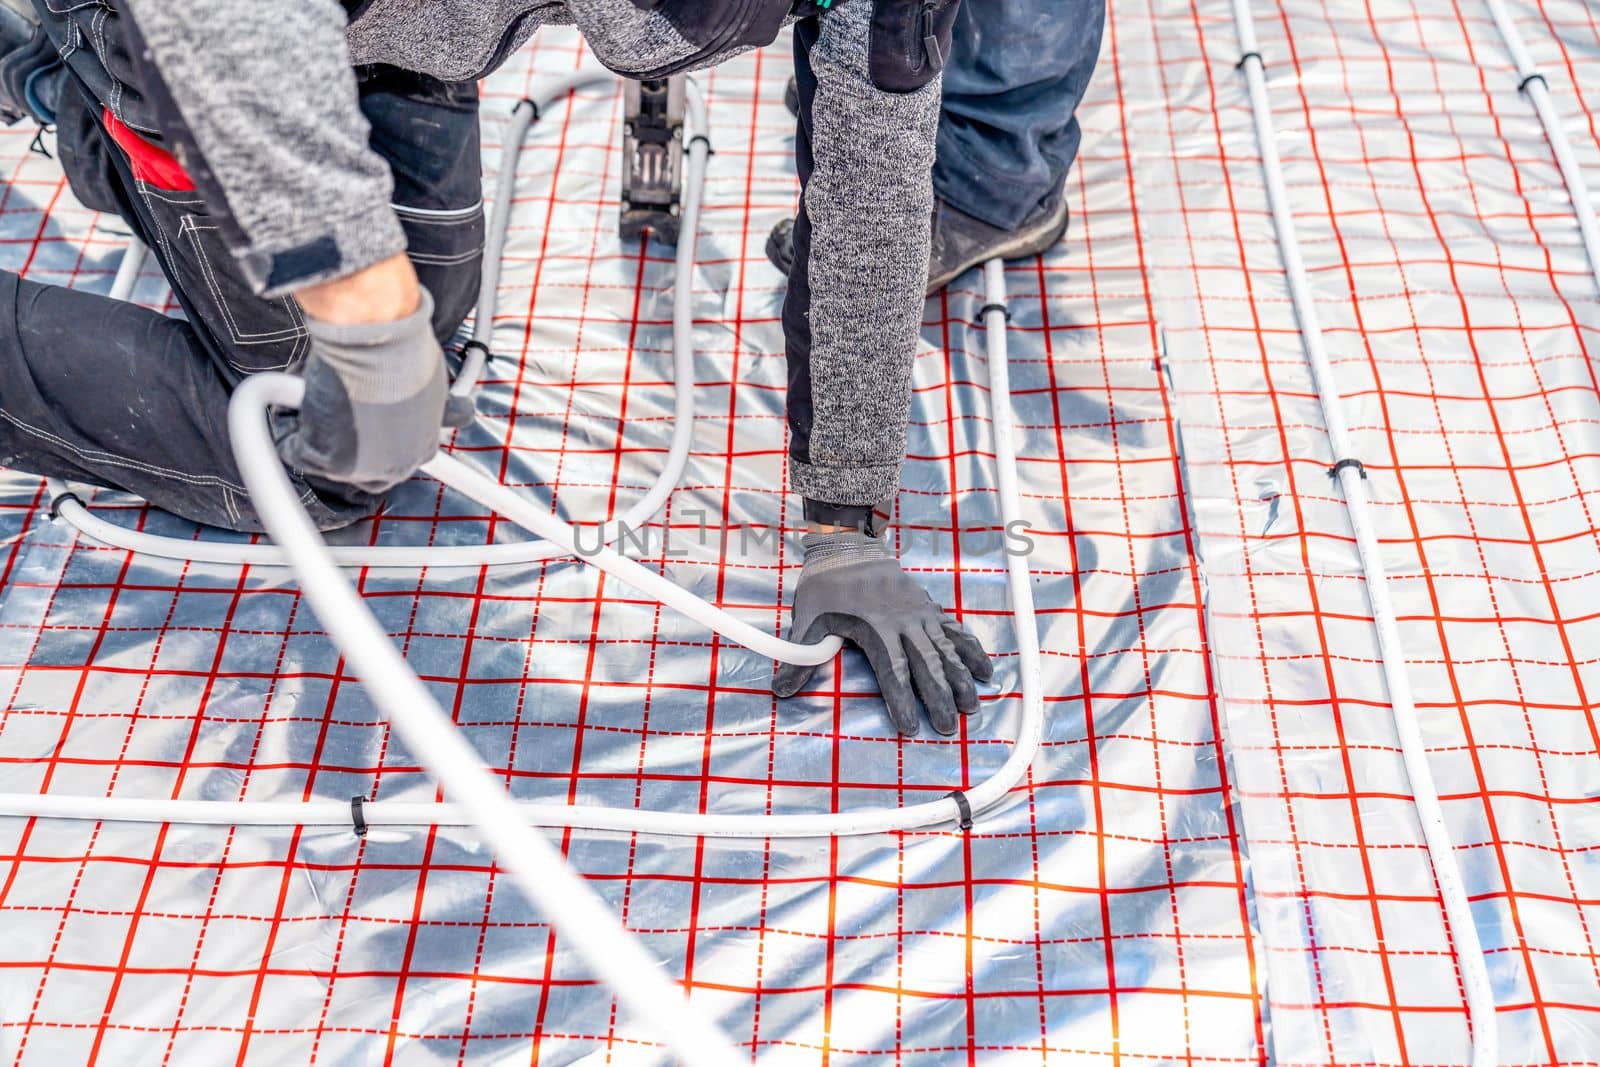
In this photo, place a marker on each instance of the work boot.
(780, 246)
(791, 96)
(960, 242)
(30, 67)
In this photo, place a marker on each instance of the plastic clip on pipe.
(1351, 477)
(1532, 82)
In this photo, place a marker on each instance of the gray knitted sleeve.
(870, 199)
(267, 99)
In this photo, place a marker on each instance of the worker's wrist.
(382, 362)
(387, 291)
(824, 517)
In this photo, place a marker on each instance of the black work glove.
(852, 587)
(375, 399)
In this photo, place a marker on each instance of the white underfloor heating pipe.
(1531, 82)
(536, 867)
(476, 798)
(1351, 477)
(257, 457)
(73, 511)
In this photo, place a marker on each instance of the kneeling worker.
(307, 174)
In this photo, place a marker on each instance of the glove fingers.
(371, 447)
(888, 659)
(314, 444)
(956, 671)
(968, 649)
(927, 670)
(374, 400)
(790, 678)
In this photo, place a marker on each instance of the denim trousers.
(1009, 131)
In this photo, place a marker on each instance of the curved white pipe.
(538, 869)
(256, 453)
(558, 538)
(525, 114)
(68, 507)
(1533, 83)
(1435, 832)
(490, 493)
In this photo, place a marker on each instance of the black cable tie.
(703, 139)
(488, 353)
(983, 312)
(964, 806)
(37, 144)
(357, 817)
(57, 501)
(1333, 471)
(537, 114)
(1522, 85)
(1246, 58)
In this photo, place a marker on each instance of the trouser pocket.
(253, 333)
(910, 42)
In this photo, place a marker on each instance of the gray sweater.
(268, 94)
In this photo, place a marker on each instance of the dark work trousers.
(105, 392)
(797, 299)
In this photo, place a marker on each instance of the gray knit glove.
(375, 398)
(852, 587)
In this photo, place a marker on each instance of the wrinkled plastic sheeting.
(1100, 915)
(1463, 325)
